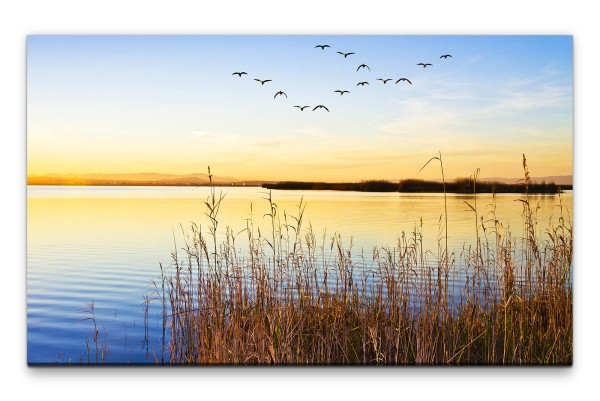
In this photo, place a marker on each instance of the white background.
(21, 18)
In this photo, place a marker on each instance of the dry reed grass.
(295, 299)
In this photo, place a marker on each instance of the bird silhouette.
(240, 73)
(301, 107)
(384, 80)
(363, 66)
(424, 64)
(363, 83)
(342, 92)
(345, 54)
(404, 79)
(320, 107)
(445, 56)
(262, 82)
(322, 46)
(279, 93)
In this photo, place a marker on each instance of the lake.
(103, 245)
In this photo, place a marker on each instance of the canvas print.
(305, 200)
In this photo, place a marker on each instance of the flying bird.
(262, 82)
(445, 56)
(404, 79)
(384, 80)
(320, 107)
(363, 66)
(301, 107)
(279, 93)
(345, 54)
(363, 83)
(240, 73)
(424, 64)
(342, 92)
(322, 46)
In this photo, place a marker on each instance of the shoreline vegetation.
(459, 185)
(296, 297)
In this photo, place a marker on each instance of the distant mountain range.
(130, 179)
(202, 179)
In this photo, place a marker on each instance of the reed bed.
(293, 297)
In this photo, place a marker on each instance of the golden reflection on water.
(152, 216)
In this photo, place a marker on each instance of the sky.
(170, 104)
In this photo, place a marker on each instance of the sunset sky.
(170, 104)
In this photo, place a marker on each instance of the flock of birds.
(341, 92)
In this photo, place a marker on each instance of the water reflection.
(104, 244)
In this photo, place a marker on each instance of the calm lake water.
(104, 245)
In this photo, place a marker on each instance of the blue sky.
(127, 104)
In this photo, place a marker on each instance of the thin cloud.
(512, 101)
(473, 59)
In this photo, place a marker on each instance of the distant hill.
(130, 179)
